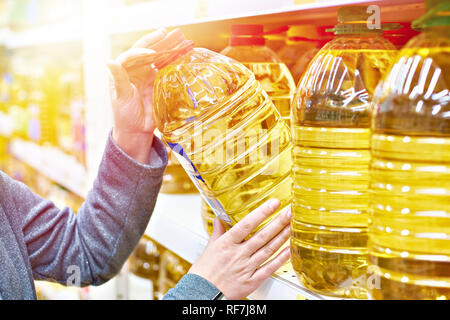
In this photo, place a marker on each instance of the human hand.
(131, 90)
(237, 266)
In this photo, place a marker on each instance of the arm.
(108, 226)
(192, 287)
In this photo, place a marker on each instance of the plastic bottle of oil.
(300, 39)
(331, 133)
(248, 46)
(409, 243)
(175, 179)
(225, 131)
(144, 263)
(208, 217)
(299, 68)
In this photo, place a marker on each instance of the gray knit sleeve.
(192, 287)
(95, 243)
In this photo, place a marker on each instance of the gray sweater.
(39, 241)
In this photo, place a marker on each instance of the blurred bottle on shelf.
(323, 37)
(331, 132)
(409, 230)
(46, 100)
(144, 263)
(248, 46)
(224, 130)
(400, 37)
(172, 269)
(300, 40)
(175, 179)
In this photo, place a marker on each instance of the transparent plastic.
(208, 217)
(331, 135)
(225, 131)
(299, 42)
(410, 174)
(270, 71)
(175, 179)
(302, 63)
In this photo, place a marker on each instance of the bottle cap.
(247, 35)
(438, 14)
(354, 19)
(167, 50)
(306, 31)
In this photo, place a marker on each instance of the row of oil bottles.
(367, 171)
(159, 267)
(42, 97)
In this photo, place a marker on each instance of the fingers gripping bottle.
(224, 130)
(248, 46)
(409, 242)
(331, 133)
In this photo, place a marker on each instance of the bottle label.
(199, 182)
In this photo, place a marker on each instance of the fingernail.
(274, 203)
(289, 212)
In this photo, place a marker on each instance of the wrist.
(135, 145)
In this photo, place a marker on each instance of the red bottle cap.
(247, 35)
(247, 30)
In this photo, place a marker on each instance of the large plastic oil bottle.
(224, 130)
(331, 134)
(175, 179)
(409, 243)
(300, 39)
(248, 46)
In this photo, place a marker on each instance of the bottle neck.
(443, 30)
(358, 35)
(167, 57)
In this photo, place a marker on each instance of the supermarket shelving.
(176, 223)
(43, 35)
(53, 164)
(194, 14)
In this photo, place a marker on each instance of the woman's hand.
(237, 267)
(131, 95)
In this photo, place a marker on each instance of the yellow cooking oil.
(331, 154)
(300, 39)
(175, 179)
(208, 217)
(225, 131)
(268, 68)
(409, 230)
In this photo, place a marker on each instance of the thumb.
(120, 80)
(218, 231)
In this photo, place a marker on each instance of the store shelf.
(6, 125)
(209, 28)
(176, 224)
(147, 16)
(43, 35)
(52, 163)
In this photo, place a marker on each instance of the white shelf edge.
(52, 163)
(135, 24)
(176, 224)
